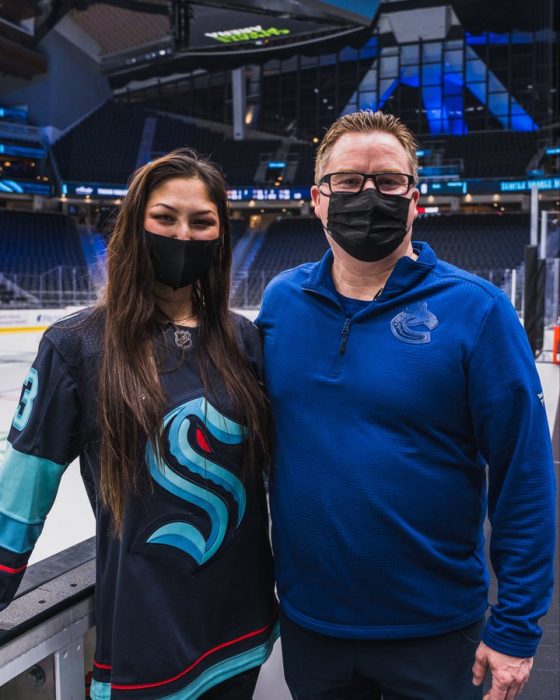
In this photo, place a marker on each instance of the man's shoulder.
(283, 293)
(291, 278)
(471, 283)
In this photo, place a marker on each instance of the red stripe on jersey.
(9, 570)
(195, 663)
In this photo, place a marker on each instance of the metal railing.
(248, 287)
(60, 286)
(73, 286)
(47, 634)
(552, 293)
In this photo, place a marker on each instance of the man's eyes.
(390, 181)
(346, 180)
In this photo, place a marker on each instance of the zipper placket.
(345, 334)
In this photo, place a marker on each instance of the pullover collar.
(407, 273)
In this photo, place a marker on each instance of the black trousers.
(318, 667)
(240, 687)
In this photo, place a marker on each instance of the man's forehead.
(365, 145)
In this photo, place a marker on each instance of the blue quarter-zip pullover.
(385, 421)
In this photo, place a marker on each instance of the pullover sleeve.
(44, 438)
(252, 347)
(510, 425)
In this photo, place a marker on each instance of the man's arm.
(510, 424)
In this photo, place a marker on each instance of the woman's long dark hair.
(131, 399)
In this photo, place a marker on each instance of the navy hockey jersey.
(185, 599)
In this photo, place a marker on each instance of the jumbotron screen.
(248, 22)
(339, 11)
(230, 33)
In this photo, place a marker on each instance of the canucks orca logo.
(195, 422)
(403, 325)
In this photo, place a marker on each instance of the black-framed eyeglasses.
(353, 183)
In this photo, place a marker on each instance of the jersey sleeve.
(511, 429)
(44, 438)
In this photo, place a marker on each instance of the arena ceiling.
(139, 39)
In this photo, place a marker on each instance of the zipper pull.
(345, 334)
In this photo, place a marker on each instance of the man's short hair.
(363, 122)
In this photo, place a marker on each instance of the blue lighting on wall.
(13, 114)
(10, 149)
(22, 187)
(387, 94)
(513, 38)
(442, 71)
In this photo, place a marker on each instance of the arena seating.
(238, 159)
(33, 246)
(173, 133)
(492, 154)
(288, 242)
(485, 244)
(476, 242)
(237, 228)
(103, 147)
(305, 153)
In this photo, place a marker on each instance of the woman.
(157, 390)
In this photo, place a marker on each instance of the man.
(394, 379)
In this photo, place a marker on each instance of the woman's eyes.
(198, 223)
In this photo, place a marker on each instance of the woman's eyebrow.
(161, 204)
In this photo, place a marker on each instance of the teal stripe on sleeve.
(28, 486)
(16, 536)
(100, 691)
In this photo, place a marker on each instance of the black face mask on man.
(368, 226)
(179, 263)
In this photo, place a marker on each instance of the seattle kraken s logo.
(403, 325)
(184, 425)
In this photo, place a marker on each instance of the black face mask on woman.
(368, 226)
(180, 263)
